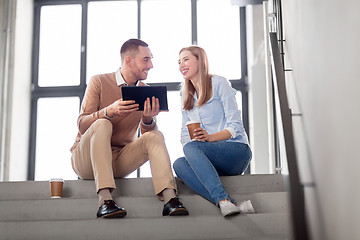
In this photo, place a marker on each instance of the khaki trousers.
(94, 158)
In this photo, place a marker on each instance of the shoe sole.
(231, 214)
(179, 212)
(117, 214)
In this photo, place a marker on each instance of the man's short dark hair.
(131, 45)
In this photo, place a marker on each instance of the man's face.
(141, 63)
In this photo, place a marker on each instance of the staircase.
(28, 212)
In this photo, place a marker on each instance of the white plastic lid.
(56, 180)
(191, 122)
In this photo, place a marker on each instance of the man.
(107, 146)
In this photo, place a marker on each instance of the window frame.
(38, 92)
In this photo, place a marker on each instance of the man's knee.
(102, 125)
(154, 136)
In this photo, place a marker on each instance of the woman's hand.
(201, 135)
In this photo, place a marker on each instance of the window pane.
(169, 123)
(56, 131)
(110, 24)
(60, 46)
(166, 27)
(219, 35)
(238, 97)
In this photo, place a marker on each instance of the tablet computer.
(141, 93)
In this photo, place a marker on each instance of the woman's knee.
(189, 147)
(180, 165)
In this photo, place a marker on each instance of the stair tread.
(207, 227)
(136, 187)
(135, 206)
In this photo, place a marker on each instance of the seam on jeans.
(204, 185)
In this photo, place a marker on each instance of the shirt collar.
(120, 80)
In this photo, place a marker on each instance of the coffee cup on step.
(56, 187)
(191, 126)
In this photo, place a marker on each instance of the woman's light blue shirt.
(219, 113)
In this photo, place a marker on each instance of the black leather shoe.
(174, 208)
(109, 209)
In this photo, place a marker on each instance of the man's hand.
(150, 110)
(121, 108)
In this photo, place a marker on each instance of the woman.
(221, 147)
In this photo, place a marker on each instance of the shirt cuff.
(148, 125)
(231, 131)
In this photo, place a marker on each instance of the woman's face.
(188, 65)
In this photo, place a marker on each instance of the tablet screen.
(140, 93)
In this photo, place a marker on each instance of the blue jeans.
(204, 162)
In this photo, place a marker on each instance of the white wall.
(21, 96)
(323, 49)
(263, 158)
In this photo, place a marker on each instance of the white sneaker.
(228, 208)
(246, 207)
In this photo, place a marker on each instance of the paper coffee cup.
(191, 126)
(56, 187)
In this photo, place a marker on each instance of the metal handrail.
(297, 198)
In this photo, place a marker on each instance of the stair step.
(136, 187)
(251, 226)
(143, 207)
(28, 212)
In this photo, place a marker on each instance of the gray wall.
(323, 49)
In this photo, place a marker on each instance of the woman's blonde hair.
(188, 89)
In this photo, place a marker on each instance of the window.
(56, 125)
(169, 123)
(60, 46)
(166, 26)
(219, 35)
(69, 50)
(110, 23)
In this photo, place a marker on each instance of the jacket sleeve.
(90, 111)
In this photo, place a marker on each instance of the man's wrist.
(105, 114)
(147, 120)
